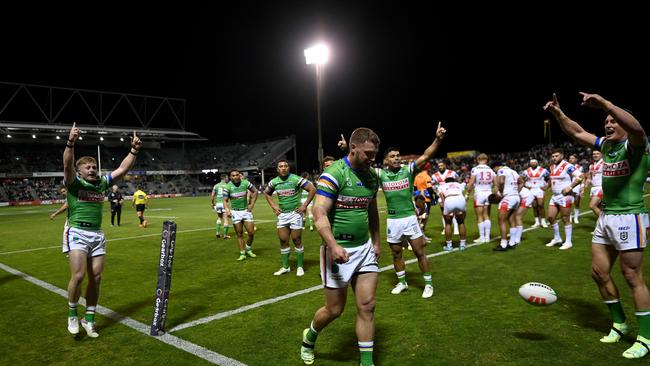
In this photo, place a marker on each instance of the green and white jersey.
(288, 189)
(237, 194)
(625, 168)
(218, 190)
(352, 192)
(85, 202)
(398, 188)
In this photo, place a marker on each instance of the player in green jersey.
(621, 227)
(216, 202)
(290, 212)
(85, 243)
(240, 208)
(402, 223)
(347, 220)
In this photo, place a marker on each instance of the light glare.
(318, 54)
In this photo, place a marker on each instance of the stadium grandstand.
(34, 119)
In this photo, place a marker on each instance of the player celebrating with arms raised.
(621, 228)
(85, 242)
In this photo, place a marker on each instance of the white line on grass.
(167, 338)
(258, 304)
(126, 238)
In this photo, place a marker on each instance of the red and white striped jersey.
(483, 177)
(535, 178)
(596, 170)
(561, 176)
(440, 178)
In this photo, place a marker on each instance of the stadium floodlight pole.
(318, 55)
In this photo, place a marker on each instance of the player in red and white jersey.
(595, 178)
(508, 184)
(527, 199)
(439, 178)
(481, 181)
(536, 180)
(562, 184)
(453, 206)
(578, 191)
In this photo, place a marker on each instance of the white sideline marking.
(159, 209)
(163, 217)
(127, 238)
(189, 347)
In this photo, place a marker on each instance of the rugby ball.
(494, 198)
(537, 293)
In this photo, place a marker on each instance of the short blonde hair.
(85, 160)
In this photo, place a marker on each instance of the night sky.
(485, 72)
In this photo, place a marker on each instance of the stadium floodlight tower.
(318, 55)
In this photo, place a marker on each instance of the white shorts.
(454, 205)
(578, 190)
(537, 192)
(526, 199)
(624, 232)
(89, 241)
(509, 202)
(243, 215)
(218, 208)
(362, 259)
(596, 192)
(561, 200)
(402, 228)
(481, 198)
(291, 219)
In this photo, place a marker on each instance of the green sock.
(616, 310)
(300, 256)
(365, 349)
(284, 254)
(72, 309)
(218, 227)
(310, 220)
(643, 316)
(401, 277)
(312, 334)
(90, 314)
(225, 230)
(427, 278)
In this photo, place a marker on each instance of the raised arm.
(431, 150)
(69, 171)
(129, 160)
(569, 126)
(625, 119)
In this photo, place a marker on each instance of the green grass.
(475, 318)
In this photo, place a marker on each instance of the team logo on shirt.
(349, 202)
(617, 169)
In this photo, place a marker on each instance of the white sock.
(544, 221)
(487, 225)
(556, 232)
(480, 230)
(520, 229)
(576, 213)
(504, 243)
(448, 243)
(567, 231)
(537, 220)
(463, 242)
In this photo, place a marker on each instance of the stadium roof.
(28, 129)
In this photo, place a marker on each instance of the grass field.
(475, 318)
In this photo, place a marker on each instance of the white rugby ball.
(537, 293)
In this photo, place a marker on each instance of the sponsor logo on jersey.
(395, 186)
(238, 194)
(286, 192)
(617, 169)
(90, 196)
(349, 202)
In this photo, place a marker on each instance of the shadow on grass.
(7, 279)
(346, 348)
(531, 336)
(587, 314)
